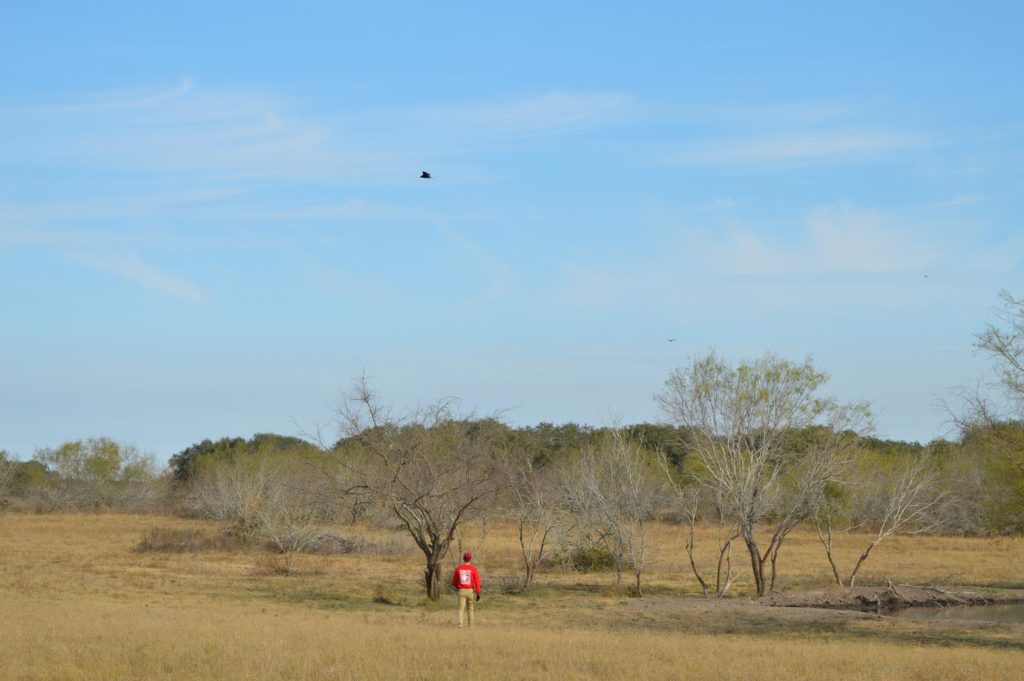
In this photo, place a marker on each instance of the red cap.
(467, 556)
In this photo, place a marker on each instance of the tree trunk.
(755, 563)
(432, 577)
(529, 561)
(774, 551)
(724, 556)
(827, 543)
(860, 561)
(620, 558)
(693, 563)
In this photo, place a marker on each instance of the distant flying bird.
(671, 340)
(424, 175)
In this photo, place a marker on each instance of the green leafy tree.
(185, 463)
(188, 462)
(98, 472)
(97, 460)
(28, 475)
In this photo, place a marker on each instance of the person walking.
(467, 580)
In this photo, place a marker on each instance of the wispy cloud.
(600, 286)
(21, 215)
(202, 160)
(499, 274)
(959, 200)
(546, 114)
(130, 267)
(223, 220)
(59, 239)
(114, 101)
(243, 136)
(799, 146)
(838, 254)
(837, 239)
(347, 209)
(791, 114)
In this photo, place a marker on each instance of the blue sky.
(211, 220)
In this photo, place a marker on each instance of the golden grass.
(907, 559)
(234, 641)
(78, 603)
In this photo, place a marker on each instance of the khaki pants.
(467, 599)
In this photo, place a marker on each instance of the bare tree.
(236, 493)
(696, 501)
(429, 469)
(617, 490)
(292, 529)
(266, 497)
(906, 500)
(533, 502)
(467, 540)
(1006, 346)
(764, 442)
(990, 421)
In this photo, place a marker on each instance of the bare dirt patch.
(825, 614)
(893, 596)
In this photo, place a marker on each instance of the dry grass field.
(78, 601)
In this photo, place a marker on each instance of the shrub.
(169, 540)
(590, 558)
(321, 544)
(272, 566)
(384, 599)
(511, 585)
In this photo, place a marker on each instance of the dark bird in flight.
(671, 340)
(424, 175)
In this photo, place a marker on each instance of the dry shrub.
(324, 544)
(272, 566)
(596, 558)
(384, 598)
(388, 547)
(170, 540)
(511, 585)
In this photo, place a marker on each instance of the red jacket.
(466, 577)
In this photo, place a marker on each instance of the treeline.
(578, 495)
(982, 482)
